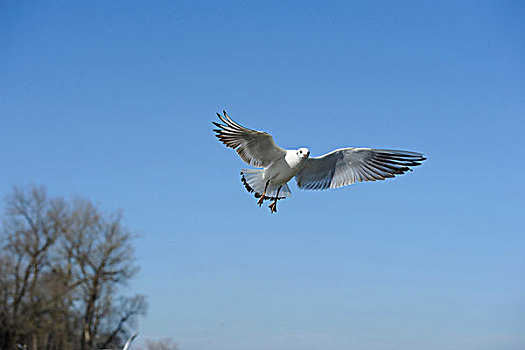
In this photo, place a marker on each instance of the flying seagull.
(338, 168)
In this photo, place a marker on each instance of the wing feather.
(346, 166)
(256, 148)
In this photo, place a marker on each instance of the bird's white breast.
(285, 168)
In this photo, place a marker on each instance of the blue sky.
(114, 101)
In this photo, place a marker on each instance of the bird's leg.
(273, 205)
(261, 200)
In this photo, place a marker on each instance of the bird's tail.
(252, 179)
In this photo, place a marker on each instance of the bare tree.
(125, 313)
(30, 232)
(62, 265)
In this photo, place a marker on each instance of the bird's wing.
(128, 343)
(256, 148)
(346, 166)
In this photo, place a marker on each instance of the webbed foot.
(273, 206)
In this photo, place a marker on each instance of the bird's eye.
(301, 152)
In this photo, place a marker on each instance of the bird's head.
(303, 152)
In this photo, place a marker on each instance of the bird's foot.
(260, 201)
(273, 207)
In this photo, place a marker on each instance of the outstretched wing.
(128, 343)
(346, 166)
(256, 148)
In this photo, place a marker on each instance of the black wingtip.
(246, 185)
(257, 194)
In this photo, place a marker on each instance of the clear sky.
(113, 100)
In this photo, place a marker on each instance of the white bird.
(338, 168)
